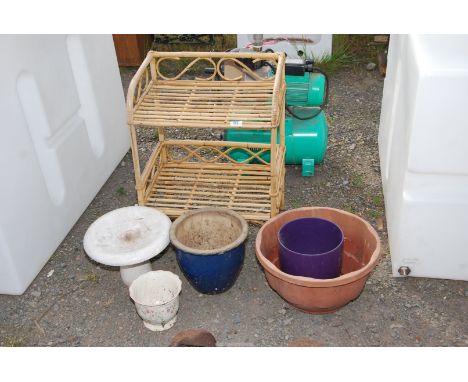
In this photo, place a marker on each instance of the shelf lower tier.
(180, 187)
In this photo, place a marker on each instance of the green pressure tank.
(306, 127)
(305, 139)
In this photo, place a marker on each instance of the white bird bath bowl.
(128, 238)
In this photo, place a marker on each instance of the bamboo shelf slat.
(181, 175)
(176, 192)
(195, 104)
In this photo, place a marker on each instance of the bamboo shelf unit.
(182, 175)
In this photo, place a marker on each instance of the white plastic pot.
(156, 297)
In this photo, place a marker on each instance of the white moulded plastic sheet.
(63, 133)
(321, 45)
(424, 154)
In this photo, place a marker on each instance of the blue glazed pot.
(210, 247)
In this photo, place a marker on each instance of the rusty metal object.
(404, 270)
(382, 62)
(304, 342)
(193, 337)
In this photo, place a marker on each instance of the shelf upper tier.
(158, 101)
(174, 103)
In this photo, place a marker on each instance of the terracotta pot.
(360, 255)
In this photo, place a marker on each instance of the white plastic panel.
(424, 160)
(63, 133)
(321, 44)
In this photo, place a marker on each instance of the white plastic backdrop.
(424, 154)
(321, 44)
(63, 133)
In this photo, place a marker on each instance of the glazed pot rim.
(309, 281)
(312, 254)
(208, 252)
(173, 275)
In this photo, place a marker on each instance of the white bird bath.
(128, 238)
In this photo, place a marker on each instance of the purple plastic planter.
(311, 247)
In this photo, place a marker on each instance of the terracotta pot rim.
(309, 281)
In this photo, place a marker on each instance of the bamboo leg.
(282, 144)
(273, 169)
(140, 188)
(282, 128)
(153, 69)
(161, 138)
(282, 195)
(161, 132)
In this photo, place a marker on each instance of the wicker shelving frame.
(181, 175)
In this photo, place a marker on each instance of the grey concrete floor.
(85, 304)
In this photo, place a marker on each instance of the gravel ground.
(84, 304)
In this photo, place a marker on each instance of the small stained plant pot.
(311, 247)
(156, 297)
(361, 252)
(210, 246)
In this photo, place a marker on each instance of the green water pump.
(306, 127)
